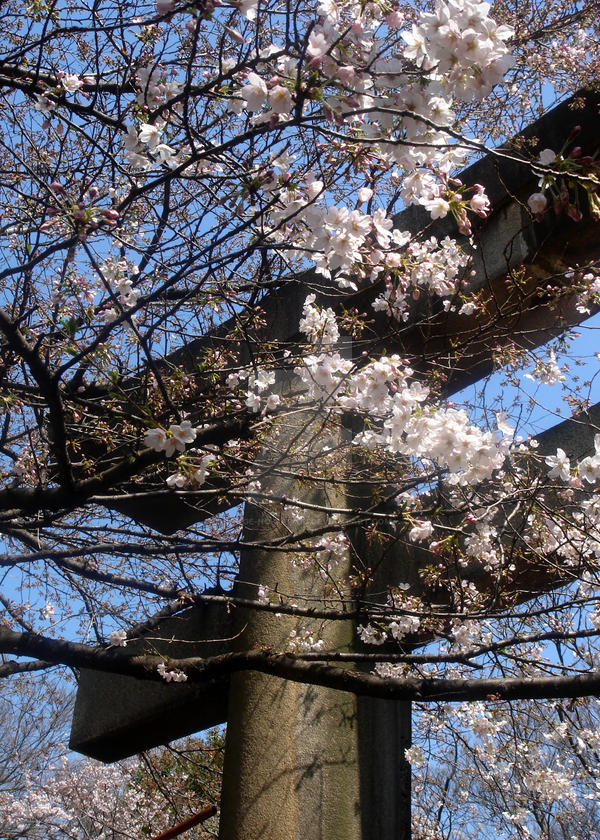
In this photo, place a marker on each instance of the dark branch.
(288, 667)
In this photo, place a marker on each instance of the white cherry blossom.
(156, 439)
(150, 134)
(71, 82)
(255, 92)
(280, 100)
(181, 434)
(560, 465)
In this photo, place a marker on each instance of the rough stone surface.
(291, 758)
(384, 730)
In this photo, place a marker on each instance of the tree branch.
(287, 666)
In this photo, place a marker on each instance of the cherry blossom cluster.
(80, 800)
(178, 436)
(588, 469)
(194, 466)
(318, 325)
(257, 384)
(384, 390)
(192, 471)
(441, 195)
(482, 546)
(560, 181)
(170, 675)
(433, 266)
(329, 552)
(302, 640)
(338, 240)
(460, 43)
(421, 529)
(590, 295)
(531, 753)
(460, 51)
(144, 146)
(550, 784)
(576, 534)
(259, 381)
(546, 370)
(75, 794)
(148, 139)
(118, 638)
(154, 89)
(399, 102)
(350, 245)
(466, 635)
(415, 756)
(397, 628)
(120, 276)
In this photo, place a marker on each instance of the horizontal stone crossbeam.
(117, 716)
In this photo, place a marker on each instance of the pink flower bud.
(537, 203)
(234, 34)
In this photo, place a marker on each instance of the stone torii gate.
(304, 761)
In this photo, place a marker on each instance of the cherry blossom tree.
(34, 717)
(170, 170)
(141, 797)
(519, 770)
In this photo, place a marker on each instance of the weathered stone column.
(384, 732)
(291, 761)
(384, 726)
(304, 762)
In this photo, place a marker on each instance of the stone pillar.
(304, 762)
(384, 726)
(291, 760)
(384, 732)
